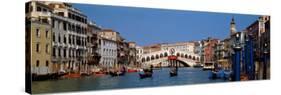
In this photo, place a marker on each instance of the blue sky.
(147, 26)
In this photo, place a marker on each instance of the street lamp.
(237, 48)
(265, 52)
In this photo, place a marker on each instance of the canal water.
(160, 77)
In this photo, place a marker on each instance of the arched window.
(143, 60)
(147, 58)
(178, 54)
(185, 55)
(152, 57)
(165, 54)
(161, 55)
(157, 56)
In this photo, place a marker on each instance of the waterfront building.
(209, 49)
(209, 57)
(108, 48)
(123, 53)
(66, 28)
(221, 54)
(265, 38)
(93, 56)
(256, 29)
(139, 53)
(38, 38)
(224, 49)
(69, 27)
(198, 49)
(108, 52)
(132, 54)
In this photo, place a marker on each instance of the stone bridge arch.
(187, 59)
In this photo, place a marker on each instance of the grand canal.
(130, 80)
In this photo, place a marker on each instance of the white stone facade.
(108, 52)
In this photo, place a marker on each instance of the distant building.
(181, 46)
(232, 27)
(132, 54)
(151, 48)
(209, 50)
(222, 54)
(198, 49)
(108, 52)
(122, 47)
(139, 53)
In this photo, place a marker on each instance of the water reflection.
(160, 77)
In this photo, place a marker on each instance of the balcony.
(39, 14)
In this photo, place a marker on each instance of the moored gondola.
(172, 74)
(145, 75)
(113, 74)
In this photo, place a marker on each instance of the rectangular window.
(59, 38)
(64, 39)
(47, 48)
(69, 53)
(37, 47)
(45, 21)
(69, 39)
(69, 27)
(38, 9)
(73, 41)
(61, 13)
(37, 63)
(44, 10)
(69, 15)
(54, 38)
(64, 53)
(47, 63)
(37, 33)
(64, 26)
(54, 52)
(73, 28)
(47, 33)
(53, 23)
(59, 52)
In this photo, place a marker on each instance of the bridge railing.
(188, 61)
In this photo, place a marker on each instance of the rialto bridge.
(186, 59)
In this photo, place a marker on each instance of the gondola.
(113, 74)
(172, 74)
(85, 74)
(145, 75)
